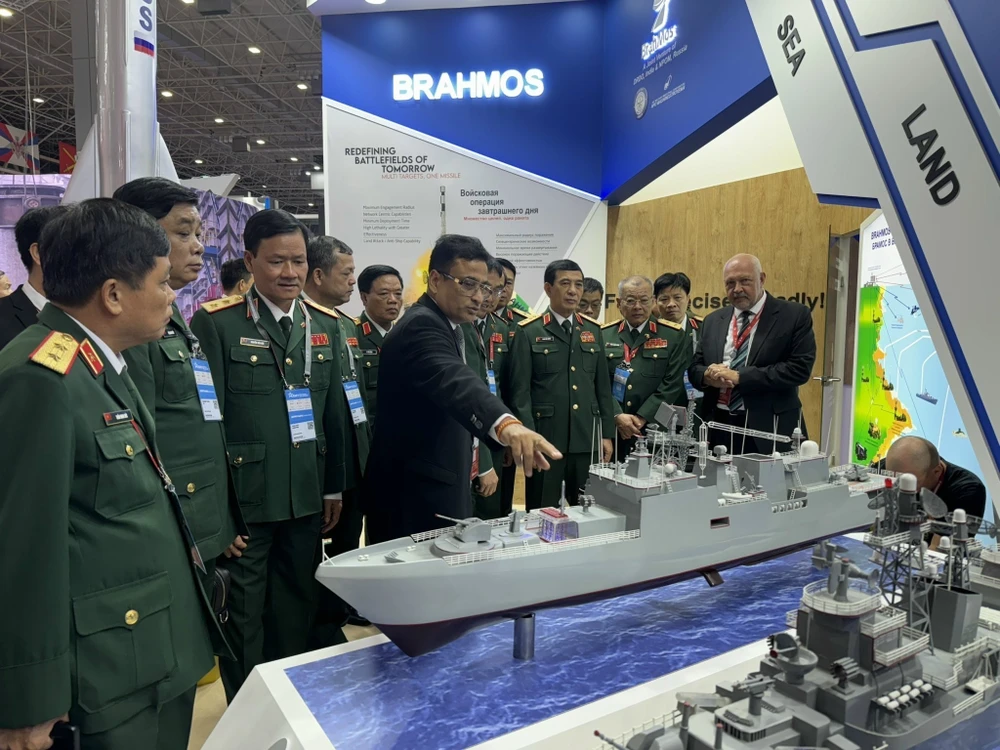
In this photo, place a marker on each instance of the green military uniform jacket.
(193, 449)
(475, 357)
(103, 614)
(512, 316)
(499, 335)
(370, 341)
(559, 383)
(659, 356)
(692, 327)
(276, 479)
(351, 359)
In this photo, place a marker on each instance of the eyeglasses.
(633, 302)
(470, 286)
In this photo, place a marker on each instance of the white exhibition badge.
(618, 387)
(300, 414)
(206, 390)
(354, 402)
(492, 380)
(692, 392)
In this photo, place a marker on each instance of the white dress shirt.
(35, 297)
(379, 328)
(114, 359)
(276, 311)
(730, 350)
(636, 328)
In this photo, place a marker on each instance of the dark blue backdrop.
(583, 131)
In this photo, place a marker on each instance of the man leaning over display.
(104, 620)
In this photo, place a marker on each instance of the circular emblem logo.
(641, 101)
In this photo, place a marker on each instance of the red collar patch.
(366, 328)
(546, 319)
(652, 326)
(91, 357)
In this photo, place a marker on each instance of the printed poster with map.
(900, 386)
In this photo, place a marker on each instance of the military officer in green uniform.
(105, 624)
(330, 283)
(168, 373)
(560, 388)
(486, 353)
(381, 290)
(646, 359)
(673, 300)
(510, 317)
(275, 361)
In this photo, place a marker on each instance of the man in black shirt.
(958, 487)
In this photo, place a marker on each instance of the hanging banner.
(18, 148)
(392, 194)
(67, 158)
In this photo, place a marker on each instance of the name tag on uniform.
(491, 378)
(257, 343)
(613, 343)
(206, 390)
(618, 387)
(543, 339)
(354, 402)
(300, 414)
(169, 333)
(117, 417)
(692, 392)
(369, 352)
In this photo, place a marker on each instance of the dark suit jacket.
(16, 314)
(781, 358)
(430, 404)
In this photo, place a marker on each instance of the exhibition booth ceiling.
(601, 97)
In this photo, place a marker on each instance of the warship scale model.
(884, 660)
(642, 524)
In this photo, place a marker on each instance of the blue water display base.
(473, 690)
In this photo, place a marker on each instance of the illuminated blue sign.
(475, 85)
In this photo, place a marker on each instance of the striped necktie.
(740, 359)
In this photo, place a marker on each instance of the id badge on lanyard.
(622, 373)
(692, 392)
(301, 422)
(491, 378)
(354, 402)
(206, 390)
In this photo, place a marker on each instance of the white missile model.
(124, 142)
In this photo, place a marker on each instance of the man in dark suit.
(752, 357)
(20, 309)
(431, 405)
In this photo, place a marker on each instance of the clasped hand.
(722, 377)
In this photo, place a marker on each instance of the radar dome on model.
(720, 451)
(809, 449)
(959, 516)
(945, 543)
(671, 468)
(907, 483)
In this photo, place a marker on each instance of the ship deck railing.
(542, 549)
(989, 619)
(792, 619)
(527, 520)
(886, 619)
(917, 642)
(977, 646)
(969, 702)
(894, 540)
(667, 720)
(815, 596)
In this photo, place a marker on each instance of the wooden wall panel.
(776, 217)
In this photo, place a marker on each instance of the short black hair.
(670, 281)
(96, 240)
(592, 285)
(322, 252)
(493, 266)
(232, 273)
(508, 266)
(156, 196)
(372, 274)
(556, 266)
(269, 223)
(28, 231)
(453, 247)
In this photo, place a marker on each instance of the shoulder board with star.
(670, 324)
(327, 310)
(609, 325)
(529, 320)
(522, 314)
(57, 352)
(588, 319)
(222, 304)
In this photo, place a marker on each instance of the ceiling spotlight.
(312, 205)
(166, 94)
(302, 86)
(264, 186)
(38, 100)
(199, 161)
(308, 173)
(317, 168)
(253, 50)
(260, 141)
(374, 2)
(219, 121)
(294, 158)
(188, 2)
(6, 13)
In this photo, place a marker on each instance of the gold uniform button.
(538, 414)
(190, 488)
(129, 450)
(630, 388)
(574, 388)
(131, 617)
(628, 403)
(368, 364)
(575, 407)
(239, 460)
(655, 356)
(295, 445)
(545, 352)
(253, 357)
(319, 357)
(288, 360)
(572, 368)
(180, 353)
